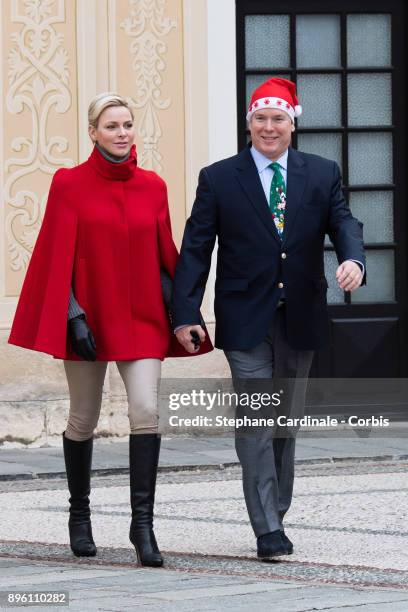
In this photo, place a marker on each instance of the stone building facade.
(175, 62)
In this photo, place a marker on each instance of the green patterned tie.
(277, 197)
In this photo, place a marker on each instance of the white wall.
(222, 101)
(222, 88)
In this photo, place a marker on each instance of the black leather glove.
(81, 337)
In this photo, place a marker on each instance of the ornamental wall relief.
(40, 121)
(149, 70)
(148, 28)
(41, 81)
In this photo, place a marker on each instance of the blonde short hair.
(103, 101)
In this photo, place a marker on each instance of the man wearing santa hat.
(270, 207)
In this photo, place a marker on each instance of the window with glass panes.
(342, 65)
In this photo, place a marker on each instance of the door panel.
(371, 347)
(353, 89)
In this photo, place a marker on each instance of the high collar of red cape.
(115, 172)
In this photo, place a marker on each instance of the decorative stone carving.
(148, 27)
(38, 80)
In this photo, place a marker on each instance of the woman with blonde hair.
(92, 294)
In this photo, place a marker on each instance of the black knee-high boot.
(78, 461)
(144, 452)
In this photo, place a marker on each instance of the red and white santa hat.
(275, 93)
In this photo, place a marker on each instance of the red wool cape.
(106, 232)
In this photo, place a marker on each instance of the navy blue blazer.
(253, 261)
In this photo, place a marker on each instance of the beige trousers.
(85, 383)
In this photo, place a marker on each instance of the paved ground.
(348, 522)
(111, 456)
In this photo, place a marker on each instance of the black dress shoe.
(287, 542)
(271, 545)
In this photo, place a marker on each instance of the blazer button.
(283, 255)
(280, 285)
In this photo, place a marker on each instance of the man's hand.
(349, 275)
(184, 337)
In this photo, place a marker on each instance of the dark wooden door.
(348, 60)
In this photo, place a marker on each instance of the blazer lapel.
(296, 183)
(249, 180)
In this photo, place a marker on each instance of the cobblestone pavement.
(111, 455)
(348, 522)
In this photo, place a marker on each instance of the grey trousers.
(85, 382)
(266, 457)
